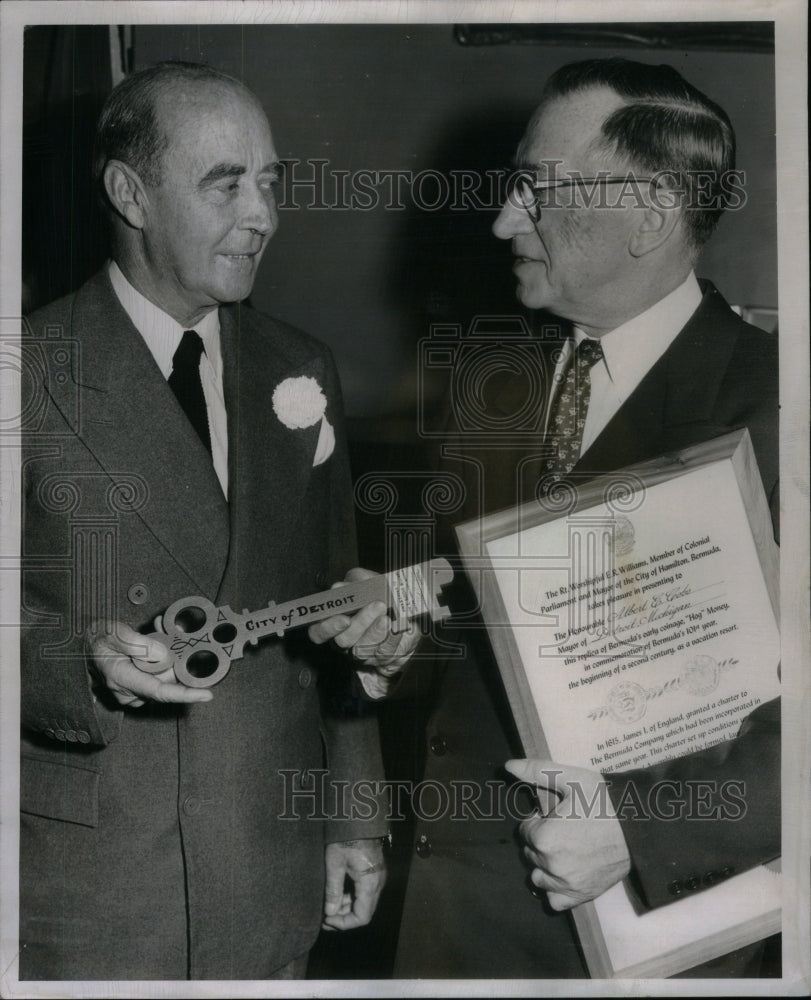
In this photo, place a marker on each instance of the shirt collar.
(161, 332)
(631, 350)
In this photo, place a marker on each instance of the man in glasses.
(621, 177)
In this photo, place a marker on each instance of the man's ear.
(126, 192)
(656, 222)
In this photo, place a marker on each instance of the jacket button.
(305, 678)
(71, 736)
(423, 847)
(675, 888)
(59, 734)
(439, 745)
(711, 878)
(50, 733)
(692, 883)
(726, 871)
(191, 806)
(138, 593)
(82, 736)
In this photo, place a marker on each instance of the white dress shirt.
(162, 335)
(629, 353)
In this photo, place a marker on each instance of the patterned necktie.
(186, 385)
(568, 417)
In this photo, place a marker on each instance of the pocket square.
(326, 443)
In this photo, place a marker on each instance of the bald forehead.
(566, 129)
(213, 130)
(180, 99)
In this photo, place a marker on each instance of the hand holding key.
(115, 657)
(368, 635)
(202, 640)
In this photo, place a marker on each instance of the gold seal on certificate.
(701, 675)
(627, 636)
(627, 701)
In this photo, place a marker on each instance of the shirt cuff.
(374, 686)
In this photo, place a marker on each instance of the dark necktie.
(186, 385)
(568, 417)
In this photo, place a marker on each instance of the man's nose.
(259, 211)
(512, 220)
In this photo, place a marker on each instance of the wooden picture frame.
(561, 678)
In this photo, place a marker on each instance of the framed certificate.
(635, 619)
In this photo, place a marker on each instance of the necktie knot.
(188, 350)
(186, 385)
(588, 352)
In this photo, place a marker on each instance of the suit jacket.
(719, 374)
(173, 841)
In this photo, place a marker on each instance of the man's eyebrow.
(225, 170)
(220, 172)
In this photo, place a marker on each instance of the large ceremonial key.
(204, 640)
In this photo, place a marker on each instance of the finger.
(335, 922)
(334, 888)
(360, 623)
(353, 576)
(531, 832)
(541, 772)
(537, 859)
(165, 676)
(378, 637)
(153, 664)
(323, 631)
(175, 693)
(543, 879)
(132, 702)
(560, 901)
(344, 922)
(392, 655)
(367, 893)
(358, 573)
(120, 638)
(128, 678)
(367, 890)
(393, 647)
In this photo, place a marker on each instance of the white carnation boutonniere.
(299, 403)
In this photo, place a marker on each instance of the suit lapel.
(676, 395)
(133, 425)
(270, 465)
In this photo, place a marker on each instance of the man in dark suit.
(185, 445)
(669, 364)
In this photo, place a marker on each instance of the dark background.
(372, 97)
(371, 283)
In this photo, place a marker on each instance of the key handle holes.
(224, 633)
(190, 619)
(202, 664)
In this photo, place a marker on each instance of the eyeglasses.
(524, 191)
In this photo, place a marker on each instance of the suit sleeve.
(57, 697)
(350, 720)
(692, 822)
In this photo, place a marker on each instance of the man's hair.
(666, 124)
(128, 127)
